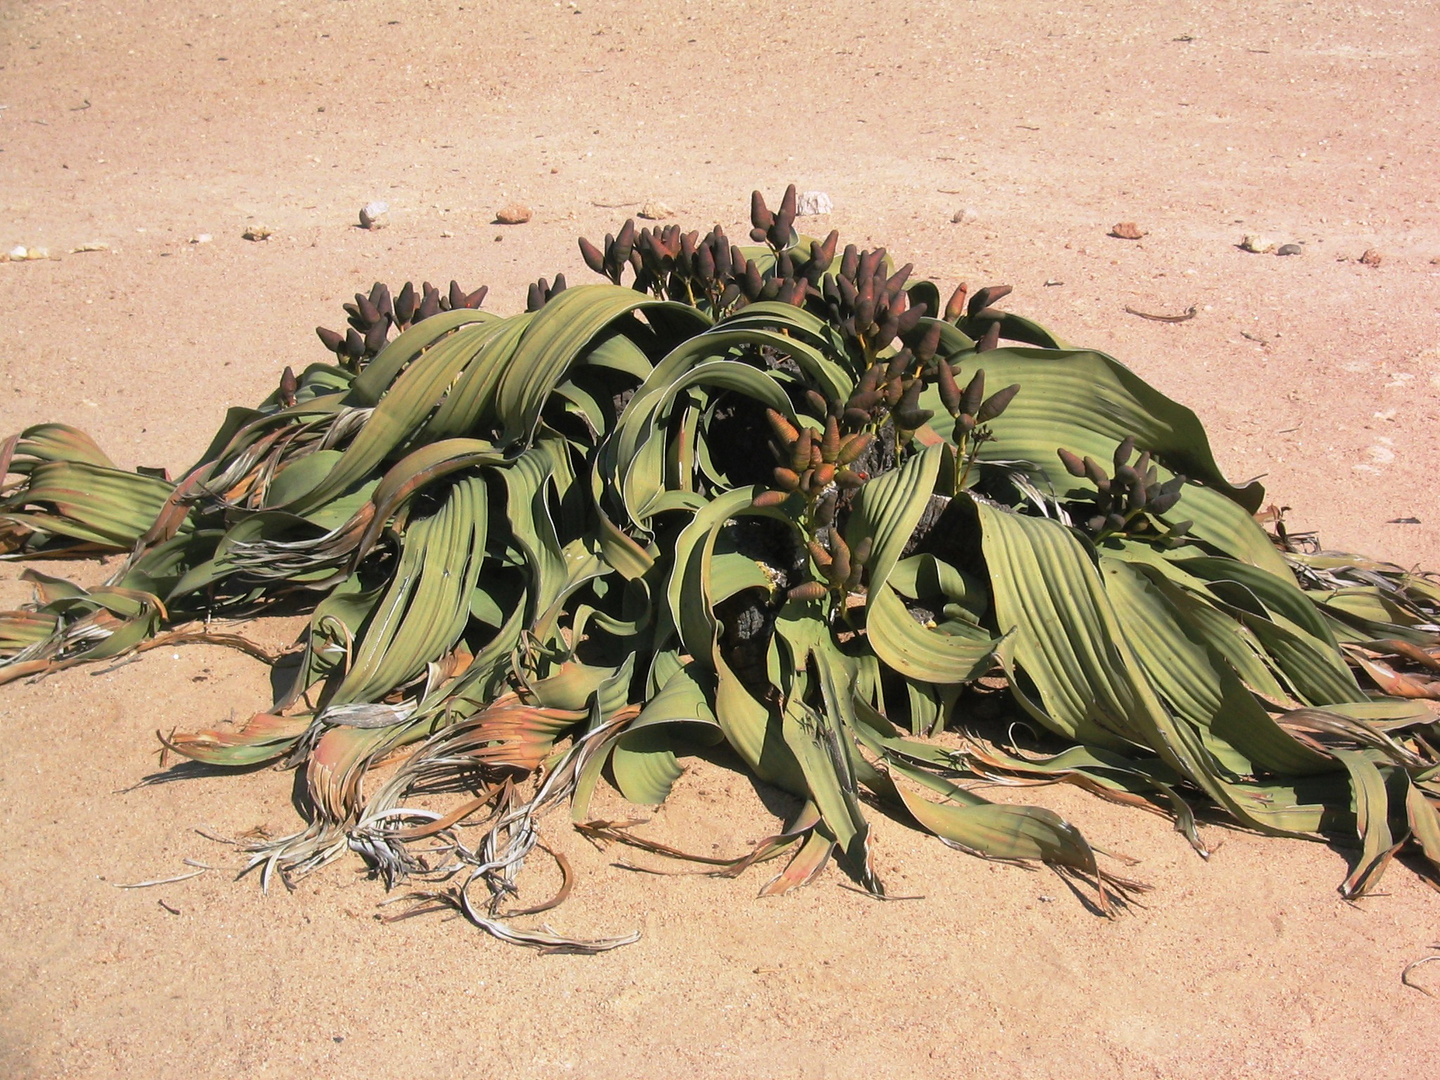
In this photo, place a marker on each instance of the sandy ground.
(143, 125)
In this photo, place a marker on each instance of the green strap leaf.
(821, 741)
(1376, 787)
(1067, 638)
(1088, 403)
(920, 652)
(427, 605)
(398, 354)
(888, 508)
(556, 338)
(1199, 685)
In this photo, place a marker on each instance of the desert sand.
(146, 126)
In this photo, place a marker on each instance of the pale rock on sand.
(811, 203)
(375, 215)
(512, 214)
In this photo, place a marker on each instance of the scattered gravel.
(21, 253)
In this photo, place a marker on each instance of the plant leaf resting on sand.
(777, 496)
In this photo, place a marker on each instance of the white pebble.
(375, 215)
(810, 203)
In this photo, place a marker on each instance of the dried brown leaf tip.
(1126, 230)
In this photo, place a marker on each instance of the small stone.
(810, 203)
(965, 216)
(93, 245)
(375, 215)
(257, 233)
(35, 254)
(446, 234)
(19, 253)
(1289, 249)
(203, 238)
(1126, 230)
(512, 214)
(1256, 244)
(1371, 257)
(656, 211)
